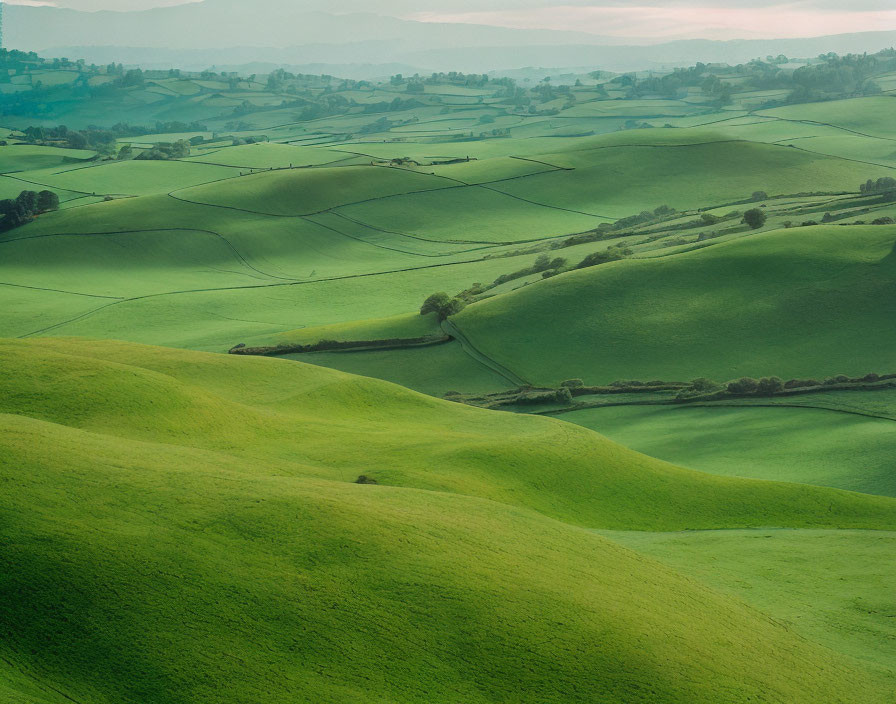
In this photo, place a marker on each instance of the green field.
(809, 445)
(824, 585)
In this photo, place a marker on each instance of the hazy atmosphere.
(671, 19)
(447, 352)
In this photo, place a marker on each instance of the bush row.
(330, 345)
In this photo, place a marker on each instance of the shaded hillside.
(813, 301)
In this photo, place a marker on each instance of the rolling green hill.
(291, 415)
(175, 497)
(812, 301)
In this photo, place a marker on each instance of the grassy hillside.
(812, 301)
(292, 416)
(819, 446)
(167, 497)
(211, 246)
(864, 115)
(303, 192)
(829, 586)
(620, 174)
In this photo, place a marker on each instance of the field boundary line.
(57, 290)
(474, 353)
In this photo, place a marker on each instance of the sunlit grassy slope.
(809, 301)
(166, 497)
(820, 446)
(293, 417)
(620, 174)
(871, 115)
(829, 586)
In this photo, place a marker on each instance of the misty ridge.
(305, 37)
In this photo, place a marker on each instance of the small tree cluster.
(163, 151)
(442, 305)
(881, 185)
(21, 210)
(610, 254)
(645, 216)
(542, 264)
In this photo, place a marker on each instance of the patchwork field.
(537, 393)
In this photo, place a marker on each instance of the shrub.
(434, 303)
(839, 379)
(608, 255)
(468, 294)
(871, 377)
(769, 385)
(755, 218)
(364, 479)
(745, 385)
(572, 383)
(544, 262)
(703, 384)
(47, 201)
(563, 396)
(883, 221)
(442, 305)
(801, 383)
(809, 223)
(759, 195)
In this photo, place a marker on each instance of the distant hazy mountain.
(270, 23)
(284, 33)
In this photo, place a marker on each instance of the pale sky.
(720, 19)
(644, 20)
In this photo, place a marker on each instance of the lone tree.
(442, 305)
(755, 218)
